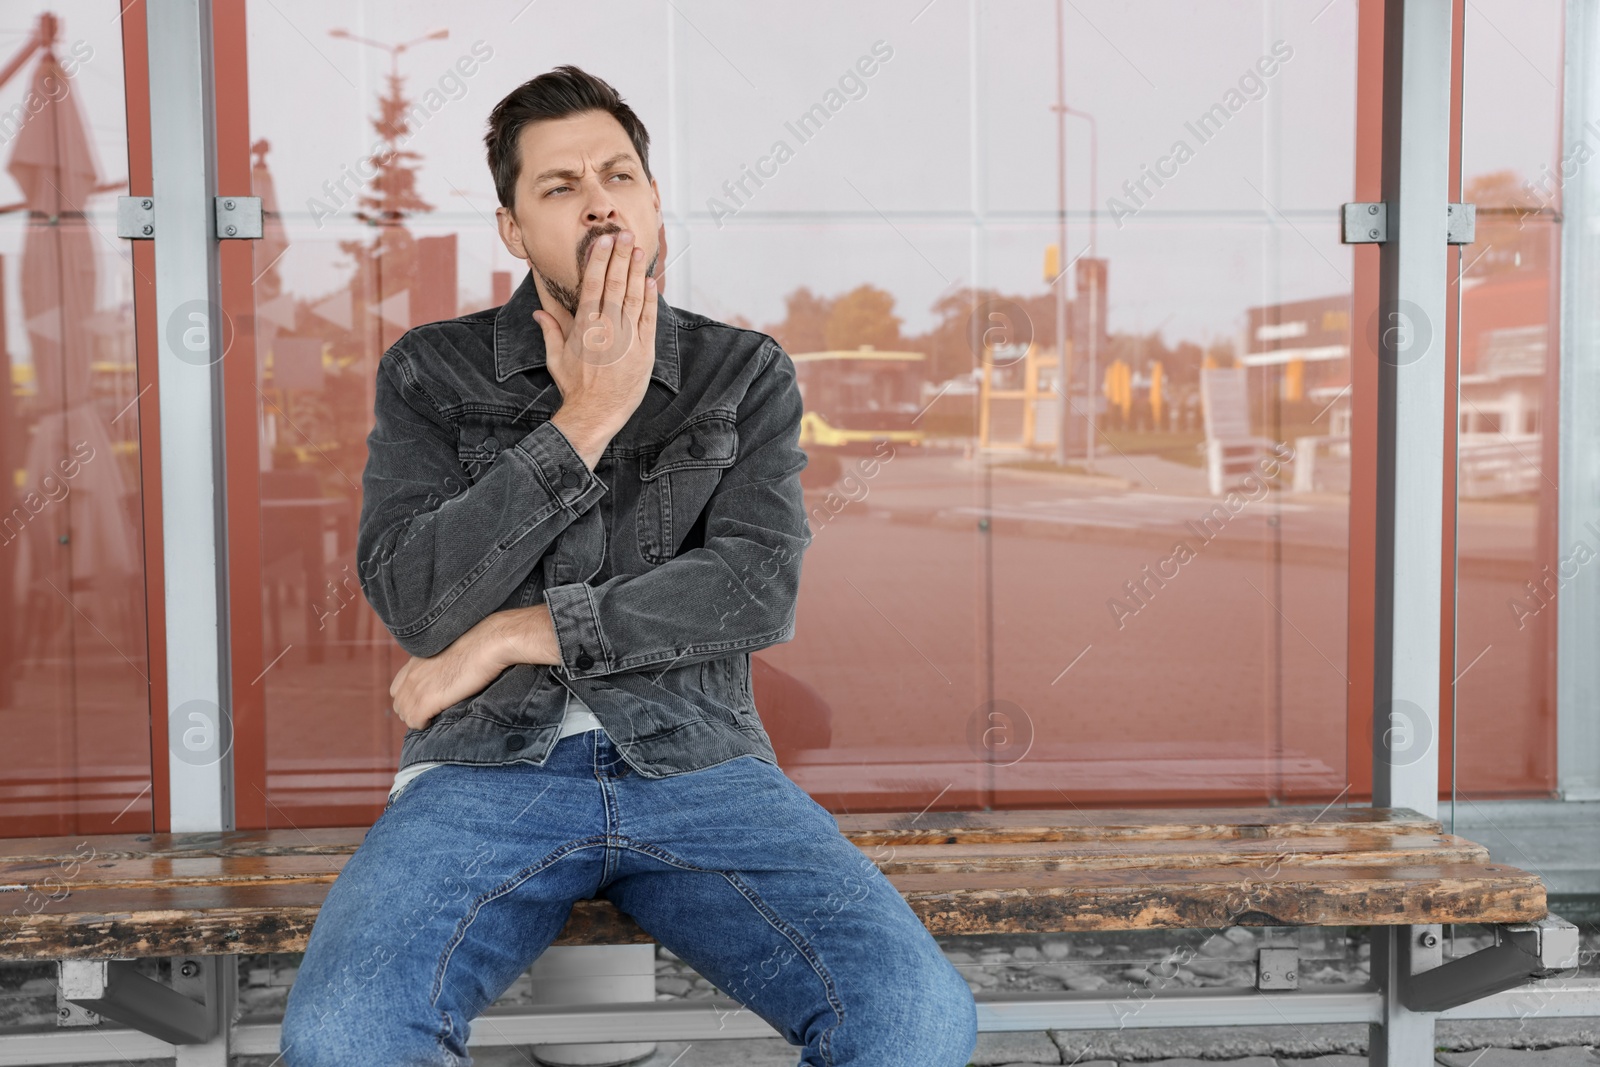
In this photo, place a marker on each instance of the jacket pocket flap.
(707, 442)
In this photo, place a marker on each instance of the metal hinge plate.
(238, 218)
(1368, 224)
(1463, 225)
(136, 217)
(1365, 224)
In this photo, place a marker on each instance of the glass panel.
(1506, 500)
(958, 638)
(74, 673)
(1170, 602)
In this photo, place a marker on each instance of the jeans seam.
(784, 929)
(506, 886)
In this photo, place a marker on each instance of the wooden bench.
(215, 894)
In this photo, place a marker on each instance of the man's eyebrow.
(573, 175)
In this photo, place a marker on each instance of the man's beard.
(568, 296)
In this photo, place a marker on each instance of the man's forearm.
(526, 635)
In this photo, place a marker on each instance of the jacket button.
(515, 742)
(696, 449)
(491, 444)
(570, 479)
(584, 661)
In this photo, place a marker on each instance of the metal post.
(1410, 504)
(1576, 189)
(190, 332)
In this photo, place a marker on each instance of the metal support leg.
(599, 974)
(116, 990)
(1521, 952)
(215, 981)
(1404, 1038)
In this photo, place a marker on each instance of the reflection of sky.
(890, 191)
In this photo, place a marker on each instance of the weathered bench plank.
(871, 828)
(1358, 849)
(1077, 824)
(99, 922)
(962, 873)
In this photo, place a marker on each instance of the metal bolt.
(1289, 977)
(1372, 209)
(232, 230)
(65, 1013)
(62, 539)
(148, 229)
(1266, 976)
(1372, 234)
(1430, 939)
(228, 204)
(147, 204)
(189, 969)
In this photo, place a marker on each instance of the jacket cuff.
(583, 651)
(559, 466)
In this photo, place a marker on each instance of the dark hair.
(564, 91)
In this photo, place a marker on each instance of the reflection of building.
(1303, 350)
(1308, 342)
(1503, 345)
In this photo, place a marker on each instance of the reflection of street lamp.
(1061, 239)
(396, 196)
(394, 50)
(1062, 111)
(1093, 330)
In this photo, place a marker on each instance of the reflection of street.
(1229, 685)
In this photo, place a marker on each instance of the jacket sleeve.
(437, 555)
(736, 592)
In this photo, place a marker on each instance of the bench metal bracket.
(116, 990)
(1278, 968)
(1521, 952)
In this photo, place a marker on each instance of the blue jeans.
(471, 871)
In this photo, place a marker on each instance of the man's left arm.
(736, 592)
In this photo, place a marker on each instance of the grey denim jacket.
(664, 568)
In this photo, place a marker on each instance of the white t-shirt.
(577, 720)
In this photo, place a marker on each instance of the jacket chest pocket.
(678, 479)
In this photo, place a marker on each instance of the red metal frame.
(136, 82)
(241, 416)
(1361, 603)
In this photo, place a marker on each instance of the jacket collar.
(519, 342)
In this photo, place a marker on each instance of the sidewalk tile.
(1572, 1056)
(1010, 1047)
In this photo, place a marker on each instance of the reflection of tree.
(803, 328)
(386, 265)
(863, 316)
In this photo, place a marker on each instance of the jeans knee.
(324, 1029)
(926, 1018)
(953, 1015)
